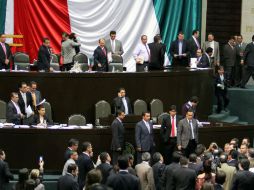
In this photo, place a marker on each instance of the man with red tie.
(100, 57)
(5, 53)
(169, 133)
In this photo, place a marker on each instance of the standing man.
(142, 55)
(100, 57)
(215, 58)
(122, 102)
(248, 62)
(5, 174)
(191, 104)
(205, 60)
(5, 53)
(240, 47)
(68, 181)
(13, 113)
(229, 54)
(117, 144)
(114, 46)
(194, 44)
(169, 133)
(187, 134)
(68, 51)
(179, 50)
(144, 136)
(44, 53)
(157, 50)
(36, 94)
(72, 146)
(85, 163)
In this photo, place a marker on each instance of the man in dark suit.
(72, 146)
(179, 50)
(248, 62)
(85, 163)
(243, 179)
(191, 104)
(197, 167)
(187, 134)
(183, 178)
(25, 100)
(40, 118)
(105, 166)
(144, 136)
(220, 87)
(158, 169)
(169, 133)
(100, 57)
(5, 174)
(123, 180)
(13, 113)
(5, 53)
(229, 54)
(122, 102)
(220, 178)
(193, 43)
(117, 144)
(204, 60)
(157, 53)
(68, 181)
(43, 63)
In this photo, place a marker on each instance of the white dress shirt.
(17, 107)
(126, 110)
(211, 44)
(113, 45)
(142, 50)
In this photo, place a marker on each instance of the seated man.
(204, 60)
(13, 113)
(121, 102)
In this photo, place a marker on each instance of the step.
(231, 119)
(218, 116)
(243, 123)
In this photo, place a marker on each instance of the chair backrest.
(160, 117)
(2, 110)
(77, 119)
(115, 67)
(156, 107)
(81, 58)
(84, 66)
(21, 58)
(117, 59)
(102, 109)
(55, 66)
(48, 110)
(139, 107)
(54, 58)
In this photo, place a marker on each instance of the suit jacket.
(229, 55)
(167, 175)
(85, 164)
(105, 171)
(158, 170)
(218, 90)
(11, 114)
(118, 47)
(240, 49)
(145, 175)
(218, 187)
(123, 181)
(233, 163)
(204, 62)
(193, 47)
(166, 127)
(184, 132)
(67, 182)
(157, 53)
(36, 120)
(117, 135)
(5, 175)
(68, 50)
(183, 178)
(216, 51)
(230, 172)
(38, 97)
(100, 57)
(3, 56)
(243, 180)
(43, 58)
(197, 167)
(21, 102)
(248, 55)
(118, 105)
(144, 139)
(175, 50)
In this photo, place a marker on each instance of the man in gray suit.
(229, 54)
(114, 46)
(36, 94)
(240, 47)
(68, 51)
(187, 134)
(215, 57)
(144, 136)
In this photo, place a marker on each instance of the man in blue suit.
(144, 136)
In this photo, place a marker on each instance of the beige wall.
(247, 20)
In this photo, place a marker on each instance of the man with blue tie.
(144, 136)
(187, 134)
(179, 50)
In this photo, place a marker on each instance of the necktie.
(104, 51)
(173, 127)
(4, 48)
(192, 132)
(113, 46)
(148, 126)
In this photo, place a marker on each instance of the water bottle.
(146, 69)
(113, 69)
